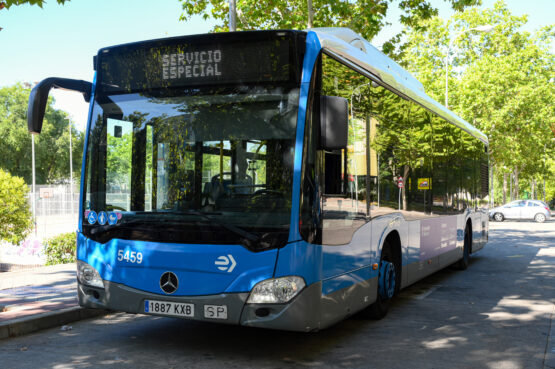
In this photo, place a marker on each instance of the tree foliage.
(502, 82)
(8, 3)
(366, 17)
(15, 215)
(51, 146)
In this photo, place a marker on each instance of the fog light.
(276, 290)
(88, 275)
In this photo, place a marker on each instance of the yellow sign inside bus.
(424, 183)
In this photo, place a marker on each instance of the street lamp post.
(486, 29)
(34, 193)
(232, 16)
(71, 172)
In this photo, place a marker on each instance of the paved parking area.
(496, 314)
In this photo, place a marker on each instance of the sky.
(60, 41)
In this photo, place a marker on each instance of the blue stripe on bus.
(82, 187)
(313, 48)
(347, 280)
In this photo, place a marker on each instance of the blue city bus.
(276, 179)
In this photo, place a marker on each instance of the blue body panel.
(337, 266)
(346, 280)
(298, 257)
(194, 265)
(311, 54)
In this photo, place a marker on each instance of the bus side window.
(344, 172)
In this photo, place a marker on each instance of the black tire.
(498, 217)
(380, 307)
(463, 263)
(539, 218)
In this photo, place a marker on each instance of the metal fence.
(56, 209)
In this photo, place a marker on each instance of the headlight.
(88, 275)
(276, 291)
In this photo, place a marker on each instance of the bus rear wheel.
(463, 263)
(388, 284)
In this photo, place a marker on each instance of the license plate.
(169, 308)
(215, 311)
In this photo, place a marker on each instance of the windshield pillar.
(138, 167)
(197, 199)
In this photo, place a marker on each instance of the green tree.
(501, 82)
(8, 3)
(51, 146)
(367, 17)
(15, 215)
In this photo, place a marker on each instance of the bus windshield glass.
(192, 160)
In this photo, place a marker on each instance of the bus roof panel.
(348, 45)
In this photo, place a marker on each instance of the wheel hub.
(386, 281)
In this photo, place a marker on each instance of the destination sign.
(192, 64)
(166, 64)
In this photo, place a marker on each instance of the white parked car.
(521, 209)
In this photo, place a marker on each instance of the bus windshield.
(204, 164)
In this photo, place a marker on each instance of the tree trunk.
(505, 188)
(310, 14)
(533, 188)
(511, 187)
(517, 190)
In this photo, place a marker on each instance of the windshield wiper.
(241, 232)
(123, 223)
(250, 240)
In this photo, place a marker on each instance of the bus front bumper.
(300, 314)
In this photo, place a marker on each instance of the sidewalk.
(39, 298)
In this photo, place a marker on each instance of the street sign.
(400, 182)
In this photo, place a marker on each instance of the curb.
(19, 327)
(549, 360)
(9, 267)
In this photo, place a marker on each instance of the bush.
(61, 249)
(15, 216)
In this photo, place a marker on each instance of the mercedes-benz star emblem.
(169, 282)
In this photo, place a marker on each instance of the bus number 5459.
(130, 256)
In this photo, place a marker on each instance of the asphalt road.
(496, 314)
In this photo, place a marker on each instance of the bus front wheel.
(388, 283)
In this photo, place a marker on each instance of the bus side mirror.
(39, 97)
(334, 122)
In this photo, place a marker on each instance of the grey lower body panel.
(119, 297)
(309, 311)
(301, 314)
